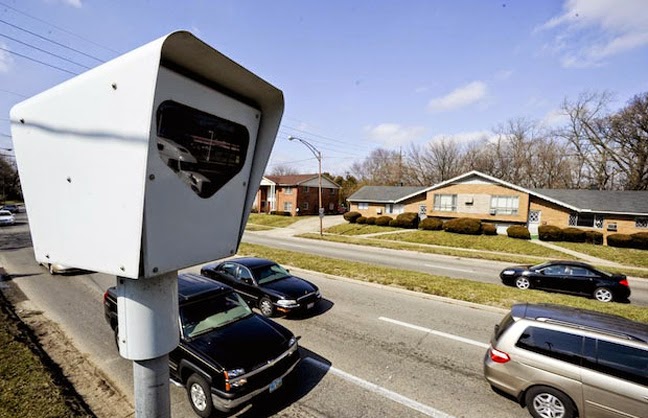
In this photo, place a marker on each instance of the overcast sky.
(356, 75)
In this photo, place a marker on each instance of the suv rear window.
(556, 344)
(618, 360)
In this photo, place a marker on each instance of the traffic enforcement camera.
(148, 163)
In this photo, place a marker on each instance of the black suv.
(227, 354)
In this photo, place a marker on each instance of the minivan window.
(506, 322)
(625, 362)
(556, 344)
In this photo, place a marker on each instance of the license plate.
(310, 305)
(276, 384)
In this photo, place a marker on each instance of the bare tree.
(628, 143)
(283, 170)
(382, 167)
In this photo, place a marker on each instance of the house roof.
(297, 179)
(385, 194)
(601, 201)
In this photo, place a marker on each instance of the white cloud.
(555, 118)
(74, 3)
(465, 137)
(6, 60)
(590, 31)
(460, 97)
(503, 75)
(391, 134)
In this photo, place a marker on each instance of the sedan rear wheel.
(603, 294)
(522, 283)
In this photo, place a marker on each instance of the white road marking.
(436, 266)
(372, 387)
(439, 333)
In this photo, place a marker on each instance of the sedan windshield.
(269, 273)
(208, 314)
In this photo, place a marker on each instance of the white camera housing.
(148, 163)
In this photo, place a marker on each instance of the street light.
(317, 155)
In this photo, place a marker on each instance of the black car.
(569, 277)
(227, 354)
(265, 284)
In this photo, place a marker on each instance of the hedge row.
(638, 240)
(410, 220)
(570, 234)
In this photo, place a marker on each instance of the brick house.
(297, 194)
(477, 195)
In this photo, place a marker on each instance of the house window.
(505, 205)
(287, 206)
(305, 205)
(306, 189)
(363, 206)
(445, 202)
(641, 223)
(287, 190)
(394, 209)
(586, 220)
(332, 192)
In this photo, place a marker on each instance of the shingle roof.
(384, 194)
(615, 201)
(291, 180)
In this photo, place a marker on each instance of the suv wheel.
(266, 307)
(546, 402)
(603, 294)
(522, 283)
(199, 394)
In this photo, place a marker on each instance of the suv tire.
(546, 402)
(199, 393)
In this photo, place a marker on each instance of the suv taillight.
(498, 356)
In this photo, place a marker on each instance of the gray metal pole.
(151, 387)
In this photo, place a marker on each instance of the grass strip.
(470, 291)
(274, 221)
(32, 385)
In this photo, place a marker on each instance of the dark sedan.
(265, 284)
(569, 277)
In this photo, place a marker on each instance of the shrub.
(431, 224)
(593, 237)
(573, 235)
(489, 229)
(640, 240)
(286, 213)
(361, 220)
(549, 233)
(467, 226)
(619, 240)
(519, 232)
(351, 217)
(383, 220)
(408, 220)
(371, 220)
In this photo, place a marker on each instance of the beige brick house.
(477, 195)
(297, 194)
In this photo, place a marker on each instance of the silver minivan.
(563, 362)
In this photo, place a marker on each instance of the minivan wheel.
(522, 283)
(603, 294)
(200, 396)
(546, 402)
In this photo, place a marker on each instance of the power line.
(59, 28)
(42, 50)
(40, 62)
(49, 40)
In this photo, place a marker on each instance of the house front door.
(422, 212)
(534, 222)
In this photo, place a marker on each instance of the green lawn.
(625, 256)
(483, 293)
(274, 221)
(358, 229)
(496, 243)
